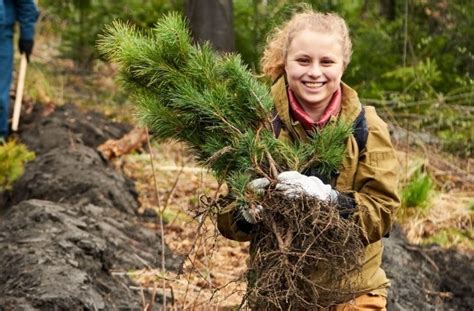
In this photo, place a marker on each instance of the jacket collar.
(298, 113)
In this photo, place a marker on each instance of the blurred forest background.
(413, 59)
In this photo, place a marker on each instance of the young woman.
(306, 59)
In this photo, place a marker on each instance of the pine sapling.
(214, 104)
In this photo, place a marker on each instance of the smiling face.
(314, 67)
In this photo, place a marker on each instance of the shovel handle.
(19, 93)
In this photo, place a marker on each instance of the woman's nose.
(314, 70)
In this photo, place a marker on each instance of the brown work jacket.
(370, 176)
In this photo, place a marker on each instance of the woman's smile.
(313, 85)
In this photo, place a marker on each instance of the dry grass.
(448, 206)
(52, 79)
(448, 212)
(213, 272)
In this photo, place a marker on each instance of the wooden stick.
(19, 93)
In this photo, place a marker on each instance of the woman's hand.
(294, 185)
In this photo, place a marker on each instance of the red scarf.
(298, 113)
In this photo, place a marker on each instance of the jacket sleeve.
(27, 15)
(232, 225)
(376, 181)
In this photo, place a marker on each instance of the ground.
(78, 231)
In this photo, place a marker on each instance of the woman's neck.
(315, 112)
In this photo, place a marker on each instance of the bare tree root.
(303, 256)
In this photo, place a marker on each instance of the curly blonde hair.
(274, 55)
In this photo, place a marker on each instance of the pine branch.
(211, 102)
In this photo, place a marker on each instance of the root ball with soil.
(301, 244)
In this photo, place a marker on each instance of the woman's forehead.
(315, 40)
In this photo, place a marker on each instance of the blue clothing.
(6, 68)
(22, 11)
(11, 11)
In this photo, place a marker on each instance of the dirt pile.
(75, 174)
(69, 230)
(427, 277)
(58, 256)
(45, 128)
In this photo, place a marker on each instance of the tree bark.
(212, 20)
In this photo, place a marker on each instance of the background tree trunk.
(388, 9)
(212, 20)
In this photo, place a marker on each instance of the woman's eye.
(303, 61)
(327, 61)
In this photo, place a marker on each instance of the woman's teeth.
(313, 85)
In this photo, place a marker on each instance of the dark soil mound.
(42, 130)
(456, 272)
(59, 257)
(75, 174)
(427, 278)
(58, 252)
(68, 168)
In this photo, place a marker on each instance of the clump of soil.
(68, 230)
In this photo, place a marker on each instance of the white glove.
(259, 185)
(294, 185)
(251, 215)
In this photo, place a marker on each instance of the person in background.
(26, 14)
(306, 58)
